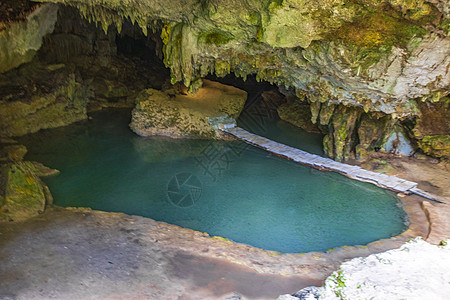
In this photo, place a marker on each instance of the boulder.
(24, 195)
(186, 115)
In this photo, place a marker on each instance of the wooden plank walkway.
(318, 162)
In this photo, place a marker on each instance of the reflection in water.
(242, 193)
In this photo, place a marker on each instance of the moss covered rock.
(23, 195)
(359, 53)
(436, 145)
(372, 133)
(182, 114)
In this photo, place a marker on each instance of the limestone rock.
(436, 145)
(372, 132)
(42, 170)
(20, 40)
(432, 129)
(274, 98)
(391, 275)
(298, 114)
(65, 103)
(23, 195)
(14, 152)
(399, 144)
(186, 115)
(376, 55)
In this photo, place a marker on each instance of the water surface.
(228, 189)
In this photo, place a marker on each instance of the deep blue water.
(227, 189)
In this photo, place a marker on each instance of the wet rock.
(22, 193)
(298, 114)
(432, 128)
(186, 115)
(338, 142)
(372, 132)
(43, 171)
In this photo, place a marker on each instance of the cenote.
(224, 188)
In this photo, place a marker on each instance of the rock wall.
(374, 54)
(21, 39)
(38, 98)
(77, 69)
(381, 58)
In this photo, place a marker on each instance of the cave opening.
(224, 188)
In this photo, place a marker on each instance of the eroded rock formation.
(179, 114)
(22, 28)
(364, 68)
(79, 68)
(371, 56)
(22, 193)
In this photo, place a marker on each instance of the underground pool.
(224, 188)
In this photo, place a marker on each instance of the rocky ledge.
(365, 69)
(176, 113)
(388, 275)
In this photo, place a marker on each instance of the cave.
(271, 140)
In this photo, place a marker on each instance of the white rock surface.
(418, 270)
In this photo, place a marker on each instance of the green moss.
(254, 17)
(339, 281)
(275, 4)
(436, 145)
(445, 25)
(216, 37)
(259, 34)
(377, 29)
(24, 193)
(165, 33)
(372, 34)
(222, 68)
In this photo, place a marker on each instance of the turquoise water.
(227, 189)
(264, 121)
